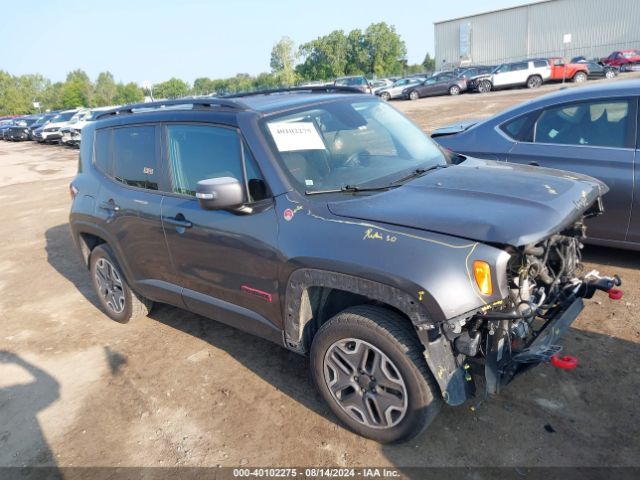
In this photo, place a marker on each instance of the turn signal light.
(482, 273)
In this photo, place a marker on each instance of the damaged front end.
(547, 286)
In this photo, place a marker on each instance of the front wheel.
(609, 74)
(484, 86)
(117, 299)
(454, 90)
(367, 364)
(386, 96)
(534, 81)
(413, 95)
(580, 77)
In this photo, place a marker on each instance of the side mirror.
(219, 193)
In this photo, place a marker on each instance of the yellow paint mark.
(441, 372)
(420, 295)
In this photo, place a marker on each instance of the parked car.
(598, 70)
(590, 130)
(395, 91)
(17, 132)
(356, 81)
(579, 59)
(4, 126)
(235, 216)
(51, 131)
(473, 74)
(72, 132)
(622, 59)
(379, 84)
(41, 121)
(563, 70)
(529, 73)
(441, 84)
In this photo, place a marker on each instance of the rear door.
(129, 203)
(226, 261)
(596, 138)
(633, 235)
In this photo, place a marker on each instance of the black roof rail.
(196, 103)
(310, 89)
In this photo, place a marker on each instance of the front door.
(596, 138)
(225, 261)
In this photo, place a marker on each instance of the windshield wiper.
(417, 173)
(350, 189)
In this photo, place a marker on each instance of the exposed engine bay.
(547, 285)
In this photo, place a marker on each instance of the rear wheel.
(117, 299)
(580, 77)
(484, 86)
(385, 96)
(534, 81)
(413, 95)
(368, 365)
(454, 90)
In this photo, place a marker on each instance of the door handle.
(110, 205)
(177, 222)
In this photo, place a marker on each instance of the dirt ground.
(77, 389)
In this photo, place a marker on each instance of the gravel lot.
(77, 389)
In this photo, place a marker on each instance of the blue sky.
(139, 40)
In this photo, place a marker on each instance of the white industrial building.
(593, 28)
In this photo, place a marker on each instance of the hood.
(491, 202)
(453, 129)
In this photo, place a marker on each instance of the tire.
(385, 96)
(484, 86)
(454, 90)
(580, 77)
(534, 81)
(377, 337)
(414, 95)
(116, 298)
(609, 74)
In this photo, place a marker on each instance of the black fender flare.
(424, 315)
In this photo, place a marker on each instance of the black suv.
(324, 220)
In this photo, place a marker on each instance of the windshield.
(349, 81)
(366, 144)
(62, 117)
(629, 54)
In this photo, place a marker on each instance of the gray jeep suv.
(325, 221)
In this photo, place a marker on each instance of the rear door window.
(134, 157)
(602, 123)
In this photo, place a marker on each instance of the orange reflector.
(482, 273)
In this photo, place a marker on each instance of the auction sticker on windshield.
(295, 136)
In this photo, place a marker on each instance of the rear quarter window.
(102, 150)
(541, 63)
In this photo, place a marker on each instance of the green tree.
(325, 57)
(283, 57)
(172, 88)
(105, 90)
(203, 86)
(429, 63)
(129, 93)
(357, 53)
(386, 49)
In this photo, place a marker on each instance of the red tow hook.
(615, 294)
(566, 362)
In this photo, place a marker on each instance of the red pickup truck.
(622, 58)
(560, 68)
